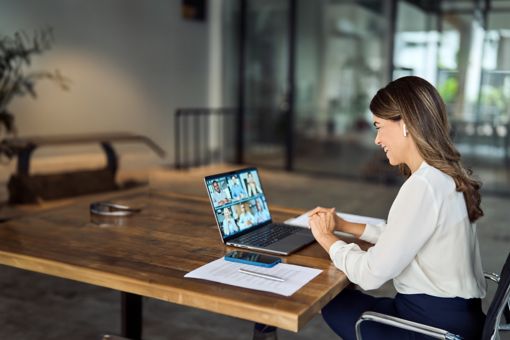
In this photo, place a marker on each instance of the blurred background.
(282, 84)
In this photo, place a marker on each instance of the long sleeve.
(372, 232)
(428, 245)
(411, 221)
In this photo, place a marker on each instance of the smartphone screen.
(252, 258)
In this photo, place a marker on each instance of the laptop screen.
(238, 201)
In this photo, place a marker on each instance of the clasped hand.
(323, 221)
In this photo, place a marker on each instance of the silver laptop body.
(243, 218)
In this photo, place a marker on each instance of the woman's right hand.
(339, 222)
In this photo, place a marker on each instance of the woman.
(253, 188)
(261, 215)
(229, 225)
(246, 218)
(429, 245)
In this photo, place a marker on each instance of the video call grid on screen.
(238, 201)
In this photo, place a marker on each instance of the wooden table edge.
(288, 321)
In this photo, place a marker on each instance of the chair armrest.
(506, 310)
(492, 276)
(404, 324)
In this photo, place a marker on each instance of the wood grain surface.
(149, 253)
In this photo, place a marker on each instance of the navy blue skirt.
(463, 317)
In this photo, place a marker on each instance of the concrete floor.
(35, 306)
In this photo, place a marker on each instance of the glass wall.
(342, 60)
(266, 75)
(345, 51)
(488, 133)
(471, 79)
(416, 43)
(460, 47)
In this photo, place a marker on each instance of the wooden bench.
(26, 188)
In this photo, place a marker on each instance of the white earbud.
(404, 129)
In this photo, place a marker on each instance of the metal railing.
(204, 136)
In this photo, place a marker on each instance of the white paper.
(302, 220)
(228, 273)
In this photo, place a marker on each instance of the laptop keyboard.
(268, 235)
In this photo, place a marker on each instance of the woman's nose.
(377, 140)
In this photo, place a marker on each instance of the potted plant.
(16, 79)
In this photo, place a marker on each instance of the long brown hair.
(418, 103)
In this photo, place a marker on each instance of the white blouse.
(428, 245)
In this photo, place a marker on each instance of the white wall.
(131, 62)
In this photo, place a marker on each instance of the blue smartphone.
(253, 259)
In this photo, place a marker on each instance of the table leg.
(131, 315)
(264, 332)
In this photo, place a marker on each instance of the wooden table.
(149, 253)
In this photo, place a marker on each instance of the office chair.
(500, 306)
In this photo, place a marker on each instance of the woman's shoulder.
(439, 182)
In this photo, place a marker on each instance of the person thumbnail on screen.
(253, 184)
(236, 188)
(261, 212)
(228, 225)
(245, 217)
(219, 192)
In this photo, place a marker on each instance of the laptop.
(243, 218)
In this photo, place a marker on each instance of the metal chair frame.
(433, 331)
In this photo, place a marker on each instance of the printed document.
(302, 220)
(227, 272)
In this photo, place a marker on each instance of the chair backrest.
(499, 305)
